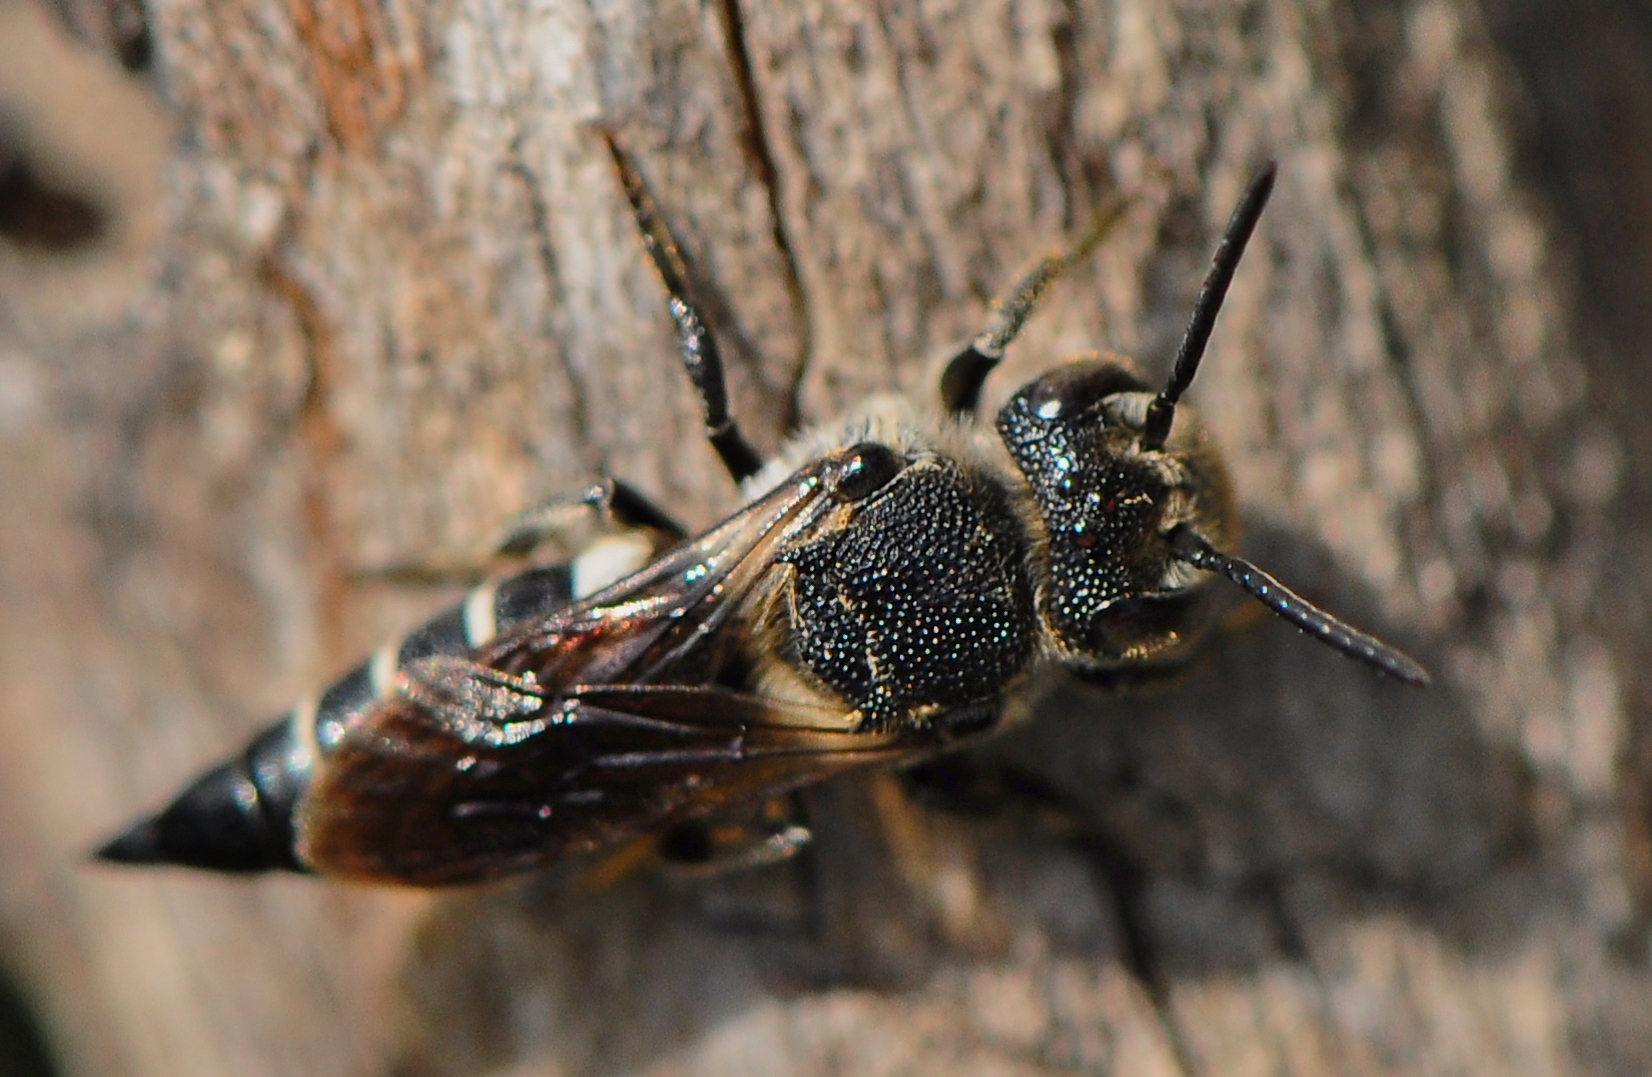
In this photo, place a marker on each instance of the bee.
(892, 578)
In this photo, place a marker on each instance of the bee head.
(1112, 590)
(1135, 507)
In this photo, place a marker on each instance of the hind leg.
(570, 526)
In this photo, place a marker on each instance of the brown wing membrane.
(603, 722)
(419, 802)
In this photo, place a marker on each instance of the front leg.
(967, 371)
(695, 344)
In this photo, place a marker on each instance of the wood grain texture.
(369, 286)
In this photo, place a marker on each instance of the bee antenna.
(1187, 545)
(1215, 289)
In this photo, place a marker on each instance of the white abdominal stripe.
(239, 816)
(486, 612)
(609, 560)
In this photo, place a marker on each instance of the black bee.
(890, 579)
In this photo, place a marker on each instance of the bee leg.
(967, 371)
(977, 788)
(573, 526)
(712, 846)
(715, 855)
(984, 788)
(696, 345)
(711, 854)
(615, 506)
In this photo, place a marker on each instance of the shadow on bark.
(1187, 830)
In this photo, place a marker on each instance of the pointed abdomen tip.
(222, 822)
(139, 845)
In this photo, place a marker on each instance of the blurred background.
(287, 289)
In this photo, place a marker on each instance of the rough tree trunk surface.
(360, 283)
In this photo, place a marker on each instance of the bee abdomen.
(238, 816)
(235, 817)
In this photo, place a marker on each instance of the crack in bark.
(539, 218)
(312, 423)
(1288, 933)
(1086, 174)
(1126, 879)
(756, 143)
(1394, 346)
(317, 430)
(916, 195)
(1061, 131)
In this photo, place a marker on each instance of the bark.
(353, 282)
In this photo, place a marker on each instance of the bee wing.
(423, 799)
(598, 723)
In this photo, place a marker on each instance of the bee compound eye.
(1071, 390)
(865, 469)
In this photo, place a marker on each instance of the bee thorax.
(921, 603)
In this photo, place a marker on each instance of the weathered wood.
(376, 288)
